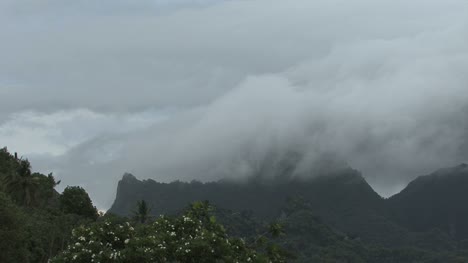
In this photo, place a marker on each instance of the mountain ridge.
(344, 200)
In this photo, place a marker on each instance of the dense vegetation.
(333, 218)
(194, 236)
(37, 224)
(35, 220)
(437, 201)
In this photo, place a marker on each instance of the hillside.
(329, 217)
(263, 197)
(438, 200)
(341, 199)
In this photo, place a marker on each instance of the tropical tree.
(7, 162)
(21, 184)
(142, 212)
(46, 189)
(75, 200)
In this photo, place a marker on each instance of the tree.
(75, 200)
(12, 233)
(7, 162)
(142, 212)
(21, 184)
(46, 189)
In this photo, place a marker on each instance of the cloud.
(39, 133)
(379, 85)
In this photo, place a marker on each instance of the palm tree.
(142, 213)
(21, 184)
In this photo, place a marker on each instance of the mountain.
(429, 213)
(435, 201)
(328, 195)
(344, 200)
(325, 213)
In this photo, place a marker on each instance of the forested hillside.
(330, 218)
(35, 220)
(39, 225)
(339, 209)
(435, 201)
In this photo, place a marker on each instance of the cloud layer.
(209, 89)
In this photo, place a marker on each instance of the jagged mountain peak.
(129, 177)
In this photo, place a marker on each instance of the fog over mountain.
(211, 89)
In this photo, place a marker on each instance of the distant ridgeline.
(431, 212)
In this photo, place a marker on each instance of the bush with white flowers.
(193, 237)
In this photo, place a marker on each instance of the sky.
(209, 89)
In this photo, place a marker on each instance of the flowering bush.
(193, 237)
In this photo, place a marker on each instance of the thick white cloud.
(379, 84)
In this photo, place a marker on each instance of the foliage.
(12, 235)
(142, 212)
(32, 227)
(329, 219)
(21, 184)
(46, 189)
(49, 232)
(436, 201)
(24, 187)
(75, 200)
(193, 237)
(7, 163)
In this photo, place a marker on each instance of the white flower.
(126, 241)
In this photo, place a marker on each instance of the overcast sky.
(181, 89)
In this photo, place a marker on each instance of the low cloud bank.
(219, 90)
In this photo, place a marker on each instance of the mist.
(212, 89)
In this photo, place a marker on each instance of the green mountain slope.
(429, 214)
(435, 201)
